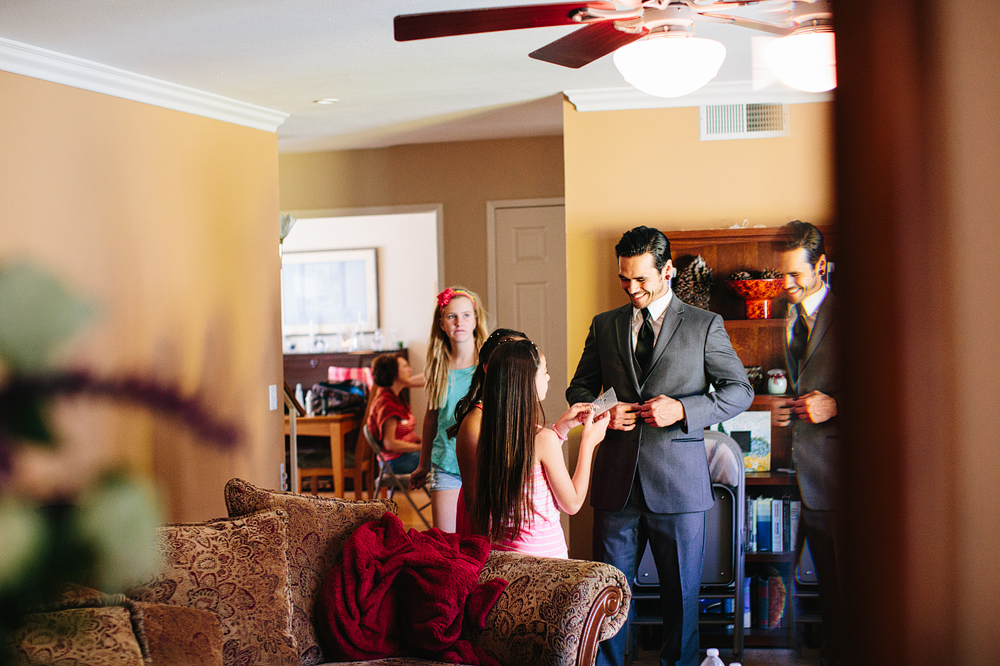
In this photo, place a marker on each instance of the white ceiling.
(284, 54)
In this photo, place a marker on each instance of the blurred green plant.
(103, 537)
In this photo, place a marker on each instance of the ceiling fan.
(643, 35)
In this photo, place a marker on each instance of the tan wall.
(462, 176)
(626, 168)
(167, 222)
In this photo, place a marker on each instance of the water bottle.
(712, 658)
(299, 395)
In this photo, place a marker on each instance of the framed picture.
(752, 431)
(329, 291)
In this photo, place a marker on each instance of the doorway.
(526, 281)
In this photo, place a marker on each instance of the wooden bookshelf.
(756, 341)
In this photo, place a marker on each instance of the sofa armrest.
(553, 611)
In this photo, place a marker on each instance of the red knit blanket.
(406, 593)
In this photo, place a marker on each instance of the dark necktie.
(800, 336)
(644, 344)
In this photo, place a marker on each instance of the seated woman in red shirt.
(390, 420)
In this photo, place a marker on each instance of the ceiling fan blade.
(585, 45)
(772, 28)
(470, 21)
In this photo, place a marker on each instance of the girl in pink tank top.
(521, 478)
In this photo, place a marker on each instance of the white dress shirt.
(809, 306)
(656, 310)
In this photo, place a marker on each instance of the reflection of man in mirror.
(810, 352)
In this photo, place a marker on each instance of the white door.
(527, 274)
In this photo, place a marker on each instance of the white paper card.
(606, 401)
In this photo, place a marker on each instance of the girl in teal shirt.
(457, 333)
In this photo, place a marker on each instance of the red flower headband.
(444, 298)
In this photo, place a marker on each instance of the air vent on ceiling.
(743, 121)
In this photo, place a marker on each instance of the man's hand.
(624, 416)
(815, 407)
(781, 415)
(662, 411)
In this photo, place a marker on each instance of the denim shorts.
(405, 463)
(442, 480)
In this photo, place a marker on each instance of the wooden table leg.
(337, 456)
(361, 465)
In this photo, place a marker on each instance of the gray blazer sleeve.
(733, 393)
(587, 383)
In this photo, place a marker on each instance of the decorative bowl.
(758, 295)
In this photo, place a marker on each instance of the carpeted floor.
(753, 657)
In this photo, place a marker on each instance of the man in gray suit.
(651, 479)
(810, 353)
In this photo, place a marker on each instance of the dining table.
(335, 427)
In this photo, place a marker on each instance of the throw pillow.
(78, 637)
(238, 570)
(317, 530)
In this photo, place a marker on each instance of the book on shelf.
(777, 595)
(769, 596)
(751, 524)
(762, 606)
(795, 511)
(747, 602)
(786, 532)
(763, 524)
(777, 526)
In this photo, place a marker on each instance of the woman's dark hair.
(641, 240)
(475, 393)
(385, 369)
(506, 453)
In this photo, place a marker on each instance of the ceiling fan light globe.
(670, 66)
(805, 61)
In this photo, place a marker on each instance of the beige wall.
(625, 168)
(168, 223)
(462, 176)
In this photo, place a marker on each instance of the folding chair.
(390, 480)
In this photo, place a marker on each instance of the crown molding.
(730, 92)
(46, 65)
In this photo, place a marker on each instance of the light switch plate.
(272, 397)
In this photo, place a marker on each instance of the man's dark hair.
(642, 240)
(798, 234)
(385, 369)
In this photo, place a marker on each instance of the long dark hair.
(505, 457)
(475, 393)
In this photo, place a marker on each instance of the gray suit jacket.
(692, 351)
(817, 447)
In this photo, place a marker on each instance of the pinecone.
(694, 284)
(740, 275)
(769, 274)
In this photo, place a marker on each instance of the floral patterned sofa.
(241, 591)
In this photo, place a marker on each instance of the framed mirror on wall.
(329, 291)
